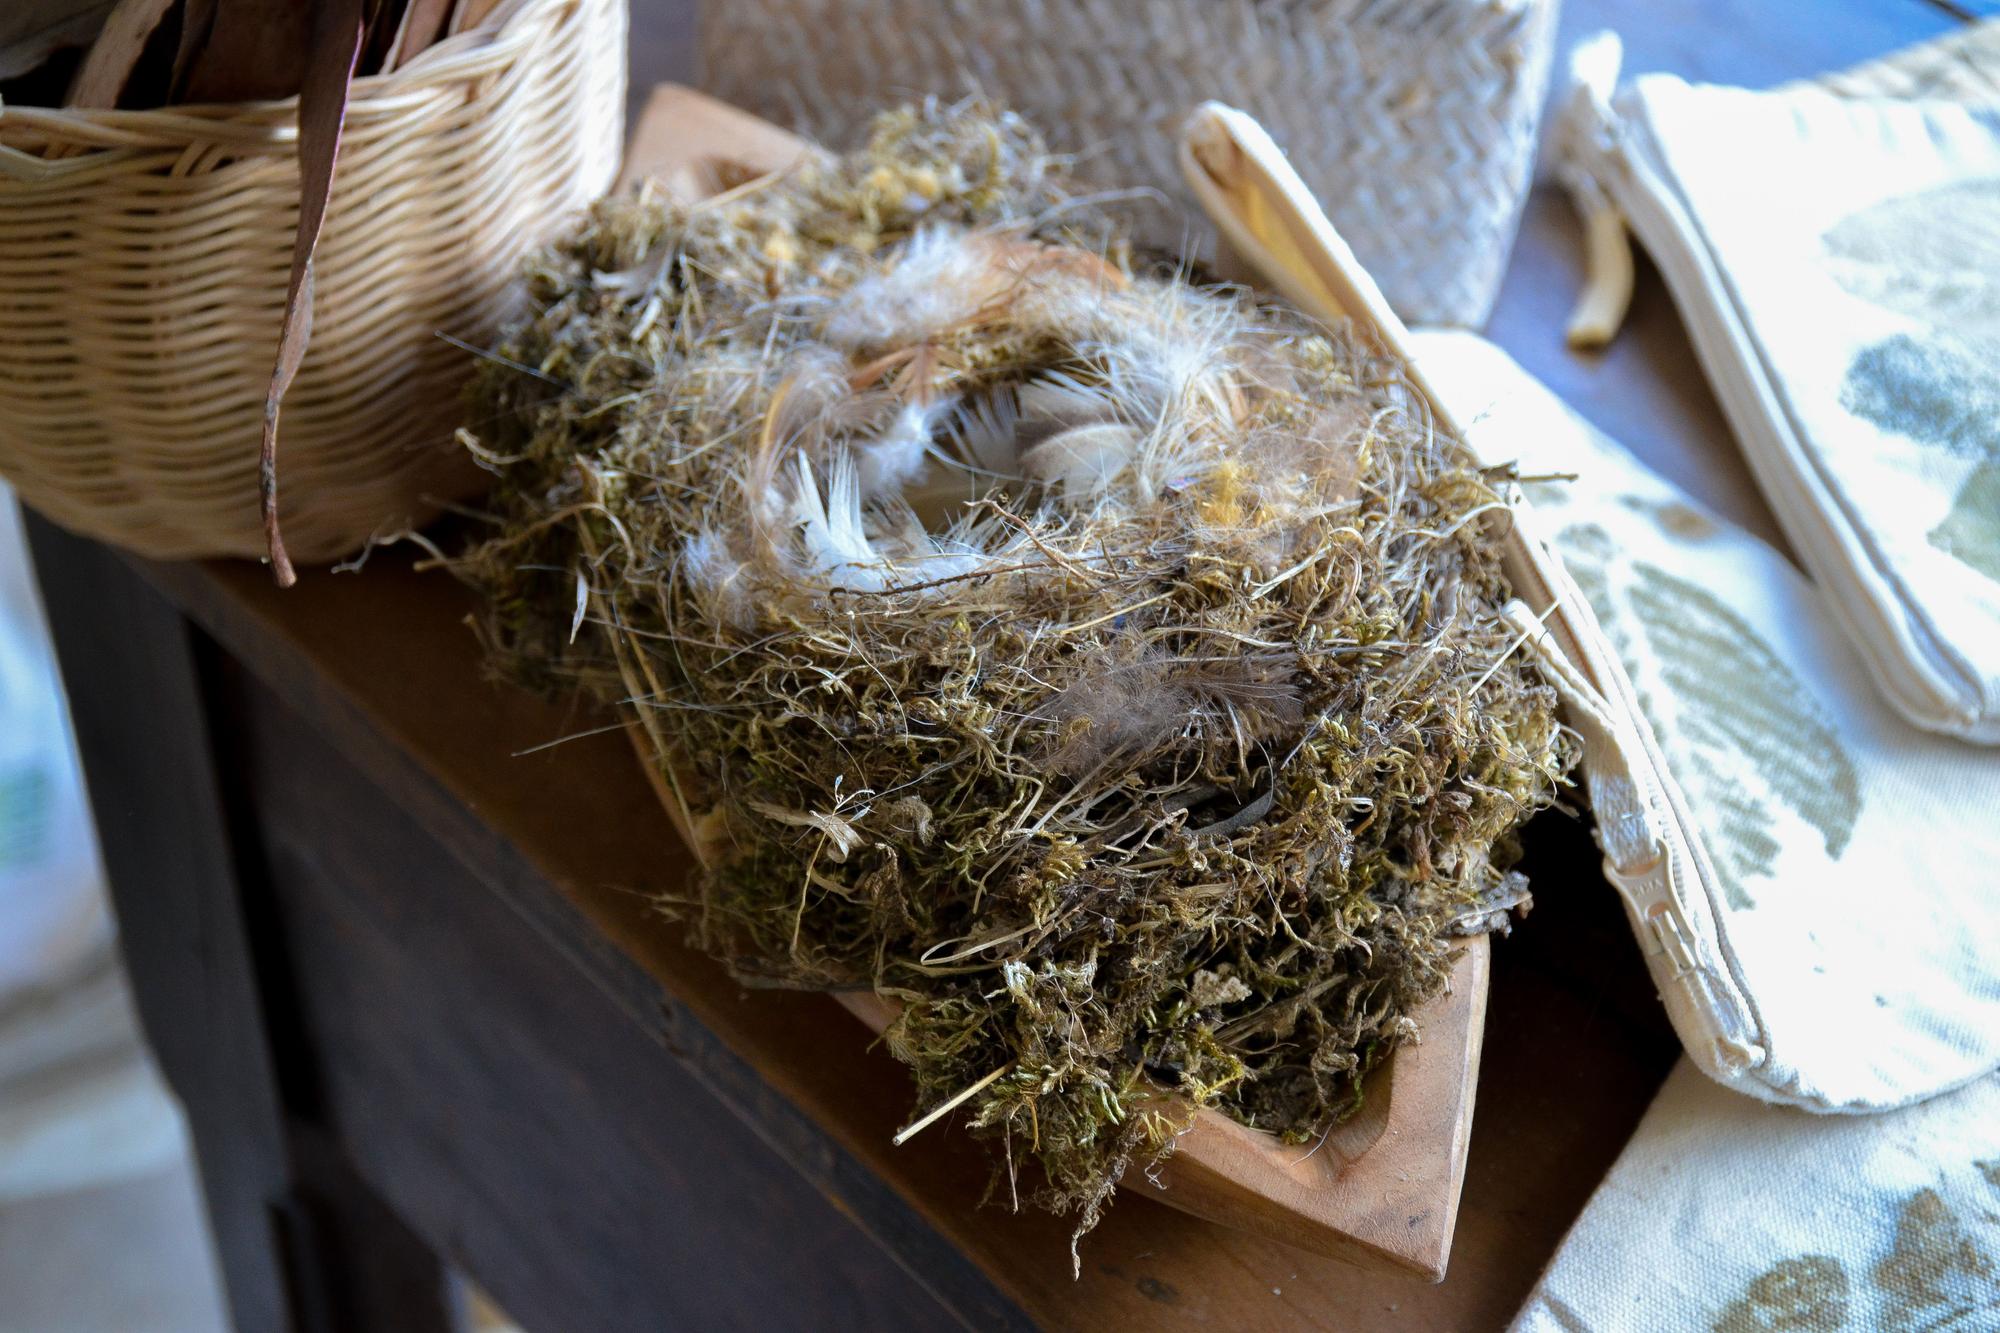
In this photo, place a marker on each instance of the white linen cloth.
(1728, 1215)
(1837, 261)
(1855, 855)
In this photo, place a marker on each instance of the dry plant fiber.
(1104, 665)
(144, 258)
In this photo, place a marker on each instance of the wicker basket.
(1416, 122)
(143, 265)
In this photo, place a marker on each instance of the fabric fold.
(1853, 901)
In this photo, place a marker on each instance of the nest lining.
(1104, 665)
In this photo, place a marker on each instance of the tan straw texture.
(1961, 66)
(1415, 122)
(143, 264)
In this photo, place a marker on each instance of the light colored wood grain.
(1381, 1192)
(694, 145)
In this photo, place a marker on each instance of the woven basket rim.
(499, 39)
(144, 284)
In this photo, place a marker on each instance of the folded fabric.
(1847, 914)
(1837, 262)
(1722, 1214)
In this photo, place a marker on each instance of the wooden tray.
(1382, 1190)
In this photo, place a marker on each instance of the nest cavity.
(1103, 665)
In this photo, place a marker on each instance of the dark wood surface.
(404, 972)
(306, 1243)
(172, 868)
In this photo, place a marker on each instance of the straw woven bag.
(1416, 122)
(143, 266)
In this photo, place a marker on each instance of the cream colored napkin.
(1857, 912)
(1837, 261)
(1726, 1215)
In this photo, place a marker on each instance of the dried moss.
(1104, 666)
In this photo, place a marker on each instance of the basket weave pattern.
(143, 265)
(1415, 122)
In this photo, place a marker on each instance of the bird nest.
(1104, 665)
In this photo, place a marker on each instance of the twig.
(947, 1107)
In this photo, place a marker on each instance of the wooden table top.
(382, 664)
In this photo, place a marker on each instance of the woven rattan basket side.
(143, 264)
(1415, 122)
